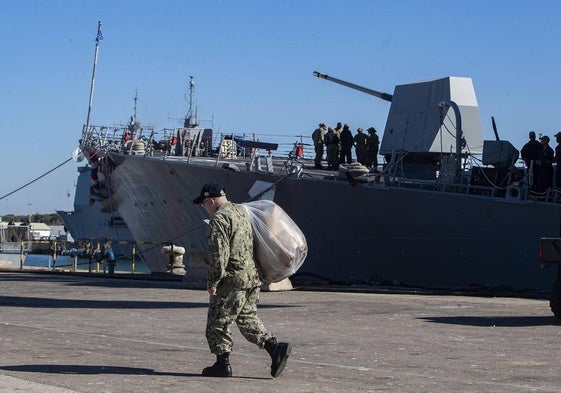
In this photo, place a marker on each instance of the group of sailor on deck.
(539, 158)
(338, 143)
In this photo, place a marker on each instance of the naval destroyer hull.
(87, 221)
(356, 232)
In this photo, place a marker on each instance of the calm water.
(65, 262)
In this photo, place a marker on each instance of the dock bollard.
(175, 253)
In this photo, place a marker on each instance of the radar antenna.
(191, 117)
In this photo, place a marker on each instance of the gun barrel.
(383, 96)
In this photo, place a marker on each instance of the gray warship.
(88, 222)
(445, 210)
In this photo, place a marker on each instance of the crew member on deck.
(346, 139)
(529, 154)
(373, 145)
(338, 128)
(317, 137)
(545, 166)
(332, 143)
(558, 161)
(360, 140)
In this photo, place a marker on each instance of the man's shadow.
(73, 369)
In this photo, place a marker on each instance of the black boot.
(279, 355)
(221, 368)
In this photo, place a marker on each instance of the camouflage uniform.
(233, 273)
(317, 137)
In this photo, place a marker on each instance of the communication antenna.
(98, 38)
(191, 117)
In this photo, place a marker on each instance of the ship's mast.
(134, 125)
(135, 100)
(191, 117)
(98, 38)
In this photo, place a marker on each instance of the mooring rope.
(34, 180)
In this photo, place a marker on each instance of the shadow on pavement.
(513, 321)
(97, 370)
(97, 279)
(37, 302)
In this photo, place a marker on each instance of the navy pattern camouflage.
(238, 306)
(233, 273)
(230, 245)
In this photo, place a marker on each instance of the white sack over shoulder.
(280, 246)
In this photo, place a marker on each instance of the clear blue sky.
(253, 63)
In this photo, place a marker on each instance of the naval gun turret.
(383, 96)
(419, 132)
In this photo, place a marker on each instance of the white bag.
(280, 246)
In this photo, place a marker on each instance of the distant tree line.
(49, 219)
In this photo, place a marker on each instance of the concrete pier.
(63, 333)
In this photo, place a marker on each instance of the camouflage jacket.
(230, 242)
(318, 135)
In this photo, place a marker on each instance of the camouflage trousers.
(239, 306)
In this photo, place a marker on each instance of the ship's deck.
(69, 333)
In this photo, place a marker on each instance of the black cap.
(371, 130)
(210, 190)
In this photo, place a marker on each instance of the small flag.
(99, 37)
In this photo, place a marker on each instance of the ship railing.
(161, 143)
(14, 238)
(517, 191)
(103, 139)
(453, 188)
(555, 195)
(550, 195)
(288, 144)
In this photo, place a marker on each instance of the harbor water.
(65, 262)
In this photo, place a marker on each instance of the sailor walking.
(233, 284)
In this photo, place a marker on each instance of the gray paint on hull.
(354, 232)
(88, 222)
